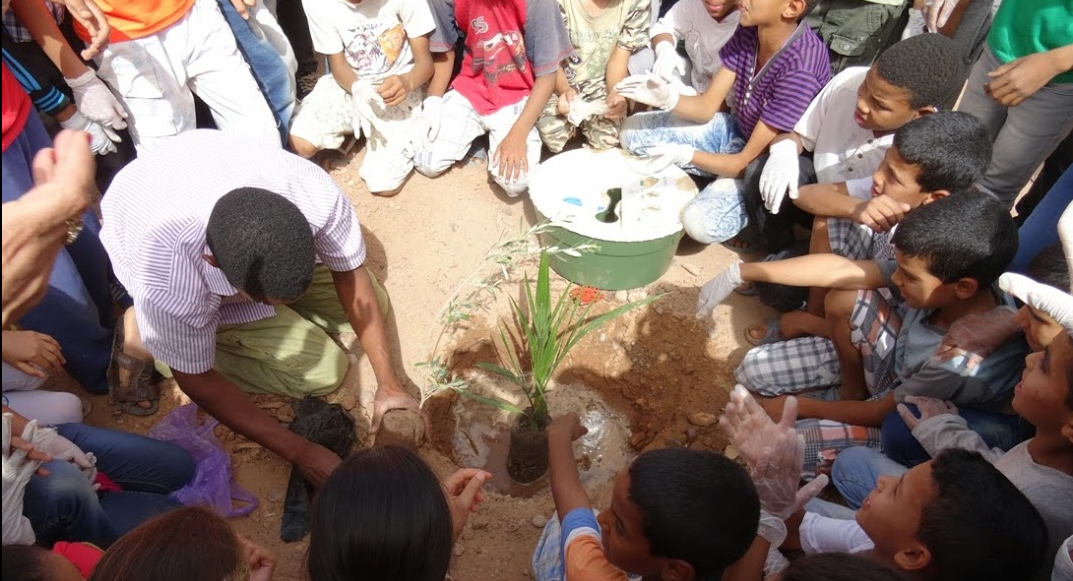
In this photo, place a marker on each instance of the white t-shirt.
(371, 34)
(842, 150)
(821, 534)
(689, 21)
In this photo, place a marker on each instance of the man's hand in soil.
(566, 488)
(316, 463)
(465, 495)
(392, 396)
(511, 157)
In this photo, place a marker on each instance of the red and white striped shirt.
(155, 215)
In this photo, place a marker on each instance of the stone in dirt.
(702, 419)
(480, 522)
(401, 428)
(459, 549)
(539, 521)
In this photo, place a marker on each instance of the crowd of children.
(922, 362)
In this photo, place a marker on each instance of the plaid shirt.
(19, 33)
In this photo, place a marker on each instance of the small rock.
(702, 419)
(539, 521)
(690, 435)
(512, 527)
(622, 296)
(731, 452)
(275, 496)
(691, 269)
(459, 549)
(467, 535)
(480, 522)
(401, 428)
(349, 402)
(255, 517)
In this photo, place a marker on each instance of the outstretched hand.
(929, 407)
(777, 475)
(718, 289)
(750, 428)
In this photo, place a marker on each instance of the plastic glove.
(366, 103)
(649, 89)
(102, 139)
(1065, 235)
(660, 157)
(937, 13)
(718, 289)
(781, 174)
(778, 473)
(96, 101)
(978, 335)
(61, 448)
(929, 407)
(750, 429)
(917, 24)
(17, 470)
(427, 128)
(1057, 304)
(669, 64)
(772, 529)
(580, 110)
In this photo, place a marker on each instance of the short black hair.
(927, 66)
(25, 563)
(381, 515)
(950, 149)
(967, 234)
(1049, 267)
(839, 567)
(697, 505)
(980, 527)
(263, 244)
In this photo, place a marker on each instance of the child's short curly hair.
(927, 66)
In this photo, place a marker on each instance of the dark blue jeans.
(77, 308)
(1040, 230)
(64, 507)
(1002, 431)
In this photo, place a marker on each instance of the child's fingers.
(789, 413)
(907, 416)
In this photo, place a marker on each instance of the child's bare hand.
(392, 90)
(32, 353)
(1019, 79)
(568, 423)
(616, 106)
(261, 563)
(881, 213)
(465, 495)
(512, 157)
(562, 105)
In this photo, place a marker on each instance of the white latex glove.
(772, 529)
(780, 175)
(778, 473)
(669, 64)
(651, 90)
(102, 139)
(718, 289)
(580, 110)
(61, 448)
(750, 429)
(937, 12)
(929, 407)
(1057, 304)
(366, 102)
(17, 471)
(916, 25)
(96, 101)
(660, 157)
(430, 120)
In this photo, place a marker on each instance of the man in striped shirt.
(240, 259)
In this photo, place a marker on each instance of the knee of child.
(430, 168)
(66, 408)
(179, 466)
(750, 375)
(302, 147)
(695, 224)
(65, 488)
(840, 303)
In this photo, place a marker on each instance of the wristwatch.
(74, 228)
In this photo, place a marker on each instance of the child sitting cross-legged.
(947, 255)
(954, 518)
(930, 158)
(675, 514)
(378, 53)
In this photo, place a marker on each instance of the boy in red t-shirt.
(512, 50)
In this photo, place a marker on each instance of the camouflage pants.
(555, 130)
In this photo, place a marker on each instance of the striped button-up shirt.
(155, 216)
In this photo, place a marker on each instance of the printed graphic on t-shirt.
(497, 55)
(375, 45)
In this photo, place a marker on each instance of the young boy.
(772, 68)
(848, 128)
(380, 62)
(512, 53)
(604, 35)
(702, 27)
(676, 514)
(947, 255)
(931, 157)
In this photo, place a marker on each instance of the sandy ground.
(657, 367)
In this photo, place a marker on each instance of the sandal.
(742, 246)
(144, 379)
(772, 333)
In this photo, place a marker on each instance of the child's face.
(719, 9)
(1040, 329)
(897, 179)
(763, 12)
(1041, 395)
(622, 529)
(918, 286)
(881, 106)
(891, 514)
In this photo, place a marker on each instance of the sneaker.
(306, 83)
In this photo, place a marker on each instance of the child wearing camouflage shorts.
(602, 44)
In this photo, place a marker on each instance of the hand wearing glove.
(929, 407)
(777, 474)
(60, 448)
(102, 139)
(1057, 304)
(366, 102)
(429, 128)
(718, 289)
(750, 429)
(917, 24)
(781, 174)
(669, 64)
(978, 335)
(21, 461)
(96, 101)
(649, 89)
(660, 157)
(937, 13)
